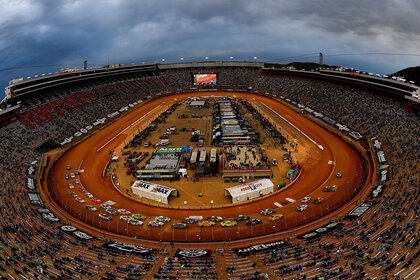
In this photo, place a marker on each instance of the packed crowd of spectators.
(381, 244)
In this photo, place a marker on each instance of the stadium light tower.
(206, 58)
(231, 57)
(255, 58)
(181, 58)
(163, 60)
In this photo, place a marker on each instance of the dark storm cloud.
(65, 32)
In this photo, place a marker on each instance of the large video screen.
(205, 79)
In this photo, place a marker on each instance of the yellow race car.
(275, 217)
(206, 224)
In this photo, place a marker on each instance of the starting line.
(304, 134)
(125, 129)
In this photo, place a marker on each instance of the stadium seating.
(382, 244)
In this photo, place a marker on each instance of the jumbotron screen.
(205, 79)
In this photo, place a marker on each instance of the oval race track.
(316, 173)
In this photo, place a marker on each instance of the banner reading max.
(260, 248)
(320, 231)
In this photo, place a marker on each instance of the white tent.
(249, 191)
(153, 191)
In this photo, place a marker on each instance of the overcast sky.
(56, 32)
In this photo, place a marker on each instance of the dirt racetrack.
(92, 154)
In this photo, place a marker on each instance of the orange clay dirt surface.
(92, 154)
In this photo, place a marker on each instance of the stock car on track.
(214, 219)
(162, 219)
(275, 217)
(82, 189)
(318, 200)
(105, 206)
(229, 223)
(302, 207)
(72, 175)
(241, 218)
(70, 185)
(339, 175)
(111, 211)
(138, 217)
(105, 217)
(134, 222)
(252, 222)
(179, 226)
(89, 195)
(78, 199)
(334, 188)
(327, 189)
(66, 176)
(123, 212)
(188, 221)
(91, 208)
(206, 224)
(306, 199)
(266, 212)
(155, 224)
(97, 200)
(124, 217)
(68, 167)
(76, 181)
(73, 194)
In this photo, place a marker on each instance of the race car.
(206, 223)
(78, 199)
(89, 195)
(138, 216)
(229, 223)
(68, 167)
(214, 219)
(73, 194)
(334, 188)
(97, 200)
(82, 189)
(327, 189)
(162, 219)
(91, 208)
(70, 186)
(188, 221)
(179, 226)
(241, 218)
(124, 217)
(305, 199)
(111, 211)
(66, 176)
(123, 212)
(252, 222)
(339, 175)
(104, 217)
(302, 207)
(105, 206)
(266, 212)
(275, 217)
(318, 200)
(72, 175)
(155, 224)
(134, 222)
(76, 181)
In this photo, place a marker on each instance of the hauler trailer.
(193, 160)
(203, 156)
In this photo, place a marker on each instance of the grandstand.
(379, 239)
